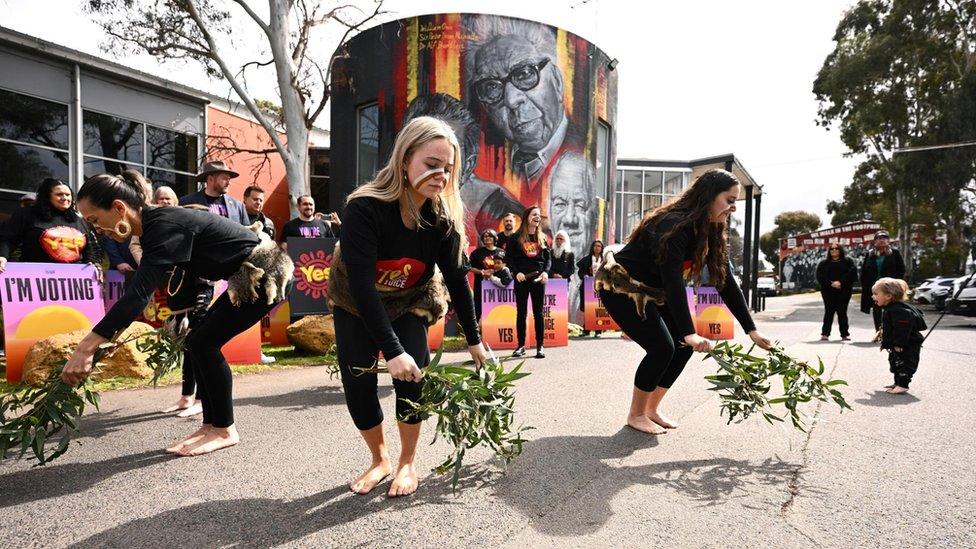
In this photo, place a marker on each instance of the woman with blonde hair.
(385, 291)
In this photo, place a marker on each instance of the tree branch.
(260, 22)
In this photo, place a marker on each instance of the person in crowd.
(883, 261)
(588, 266)
(836, 275)
(397, 228)
(486, 261)
(563, 261)
(307, 226)
(119, 256)
(217, 176)
(254, 204)
(162, 196)
(529, 259)
(901, 333)
(174, 241)
(643, 288)
(28, 200)
(50, 231)
(509, 230)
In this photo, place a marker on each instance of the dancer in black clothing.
(588, 266)
(385, 292)
(50, 231)
(643, 288)
(836, 275)
(179, 244)
(486, 261)
(529, 259)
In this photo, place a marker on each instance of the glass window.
(181, 183)
(602, 157)
(652, 182)
(33, 120)
(319, 169)
(23, 167)
(632, 181)
(113, 137)
(651, 201)
(632, 212)
(673, 183)
(171, 150)
(95, 166)
(368, 145)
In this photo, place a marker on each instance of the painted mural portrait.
(485, 202)
(572, 200)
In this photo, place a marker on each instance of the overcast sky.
(696, 78)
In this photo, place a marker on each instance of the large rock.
(53, 351)
(313, 334)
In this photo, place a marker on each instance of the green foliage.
(744, 382)
(165, 350)
(473, 408)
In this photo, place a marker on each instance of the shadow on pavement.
(882, 399)
(566, 485)
(51, 481)
(305, 399)
(99, 424)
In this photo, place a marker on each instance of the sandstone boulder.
(313, 334)
(53, 351)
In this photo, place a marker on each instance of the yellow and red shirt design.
(531, 249)
(398, 274)
(490, 262)
(63, 243)
(686, 270)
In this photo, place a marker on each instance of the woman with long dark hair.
(529, 259)
(588, 266)
(385, 291)
(50, 231)
(178, 245)
(836, 275)
(643, 288)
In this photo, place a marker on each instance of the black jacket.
(901, 326)
(843, 270)
(562, 265)
(893, 267)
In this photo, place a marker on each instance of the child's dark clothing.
(901, 326)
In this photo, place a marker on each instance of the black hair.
(593, 245)
(253, 189)
(488, 232)
(102, 189)
(841, 248)
(42, 206)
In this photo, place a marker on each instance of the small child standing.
(901, 330)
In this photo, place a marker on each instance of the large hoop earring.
(122, 228)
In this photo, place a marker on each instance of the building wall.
(436, 65)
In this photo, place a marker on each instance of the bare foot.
(376, 473)
(405, 481)
(197, 408)
(182, 404)
(190, 440)
(215, 439)
(645, 425)
(662, 420)
(898, 390)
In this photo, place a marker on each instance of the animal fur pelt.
(428, 301)
(613, 277)
(267, 261)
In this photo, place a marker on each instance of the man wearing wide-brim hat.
(217, 175)
(881, 262)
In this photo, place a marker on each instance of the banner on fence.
(313, 258)
(595, 315)
(498, 316)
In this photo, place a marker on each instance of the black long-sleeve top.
(484, 259)
(527, 257)
(562, 265)
(585, 266)
(382, 254)
(640, 258)
(901, 325)
(206, 245)
(842, 270)
(65, 238)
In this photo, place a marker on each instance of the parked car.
(766, 285)
(934, 291)
(965, 303)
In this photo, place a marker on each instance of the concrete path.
(895, 472)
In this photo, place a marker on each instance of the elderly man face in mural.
(521, 89)
(572, 201)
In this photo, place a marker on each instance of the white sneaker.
(265, 359)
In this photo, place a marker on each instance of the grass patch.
(286, 358)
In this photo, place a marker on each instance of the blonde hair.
(895, 287)
(391, 183)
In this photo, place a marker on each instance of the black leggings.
(522, 292)
(356, 350)
(835, 303)
(214, 380)
(904, 364)
(657, 334)
(203, 299)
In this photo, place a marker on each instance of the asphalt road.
(895, 472)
